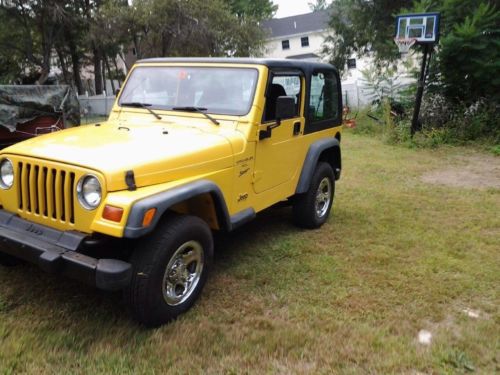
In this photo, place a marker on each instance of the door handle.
(296, 128)
(263, 134)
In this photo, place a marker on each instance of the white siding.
(275, 50)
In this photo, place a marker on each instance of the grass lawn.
(399, 255)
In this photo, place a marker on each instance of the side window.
(282, 85)
(323, 100)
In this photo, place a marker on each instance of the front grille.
(46, 191)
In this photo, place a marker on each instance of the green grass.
(397, 256)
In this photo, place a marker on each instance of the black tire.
(150, 287)
(305, 210)
(7, 260)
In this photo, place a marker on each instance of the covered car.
(28, 111)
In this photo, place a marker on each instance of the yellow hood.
(156, 153)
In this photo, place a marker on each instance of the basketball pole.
(420, 91)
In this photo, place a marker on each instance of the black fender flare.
(311, 160)
(164, 200)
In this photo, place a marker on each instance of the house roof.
(300, 24)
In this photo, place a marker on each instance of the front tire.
(311, 209)
(170, 268)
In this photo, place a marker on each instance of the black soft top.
(271, 63)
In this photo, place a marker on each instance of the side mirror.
(117, 92)
(285, 108)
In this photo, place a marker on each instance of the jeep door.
(279, 151)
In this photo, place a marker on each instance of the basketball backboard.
(423, 27)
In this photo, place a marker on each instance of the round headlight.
(6, 174)
(89, 192)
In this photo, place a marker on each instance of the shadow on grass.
(267, 227)
(73, 314)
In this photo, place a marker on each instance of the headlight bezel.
(3, 185)
(80, 192)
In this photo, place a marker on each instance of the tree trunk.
(64, 67)
(124, 59)
(43, 76)
(103, 70)
(97, 71)
(47, 49)
(75, 62)
(163, 45)
(137, 46)
(115, 63)
(110, 76)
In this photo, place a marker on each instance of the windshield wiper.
(197, 110)
(142, 105)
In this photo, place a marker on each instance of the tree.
(79, 32)
(318, 5)
(257, 9)
(362, 28)
(468, 59)
(11, 59)
(189, 28)
(33, 28)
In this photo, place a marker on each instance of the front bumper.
(56, 252)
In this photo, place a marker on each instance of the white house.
(296, 37)
(301, 37)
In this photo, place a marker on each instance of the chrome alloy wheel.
(183, 273)
(323, 197)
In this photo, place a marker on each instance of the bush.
(469, 54)
(441, 121)
(459, 122)
(495, 150)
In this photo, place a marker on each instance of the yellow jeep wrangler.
(191, 146)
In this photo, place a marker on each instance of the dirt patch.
(478, 171)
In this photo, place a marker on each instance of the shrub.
(461, 122)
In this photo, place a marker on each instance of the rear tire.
(170, 268)
(311, 209)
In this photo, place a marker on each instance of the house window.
(304, 41)
(351, 63)
(285, 44)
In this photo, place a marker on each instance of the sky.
(291, 7)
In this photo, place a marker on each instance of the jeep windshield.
(218, 90)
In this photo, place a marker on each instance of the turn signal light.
(112, 213)
(148, 217)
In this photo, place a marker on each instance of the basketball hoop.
(404, 44)
(421, 28)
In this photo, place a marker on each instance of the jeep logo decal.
(35, 230)
(242, 197)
